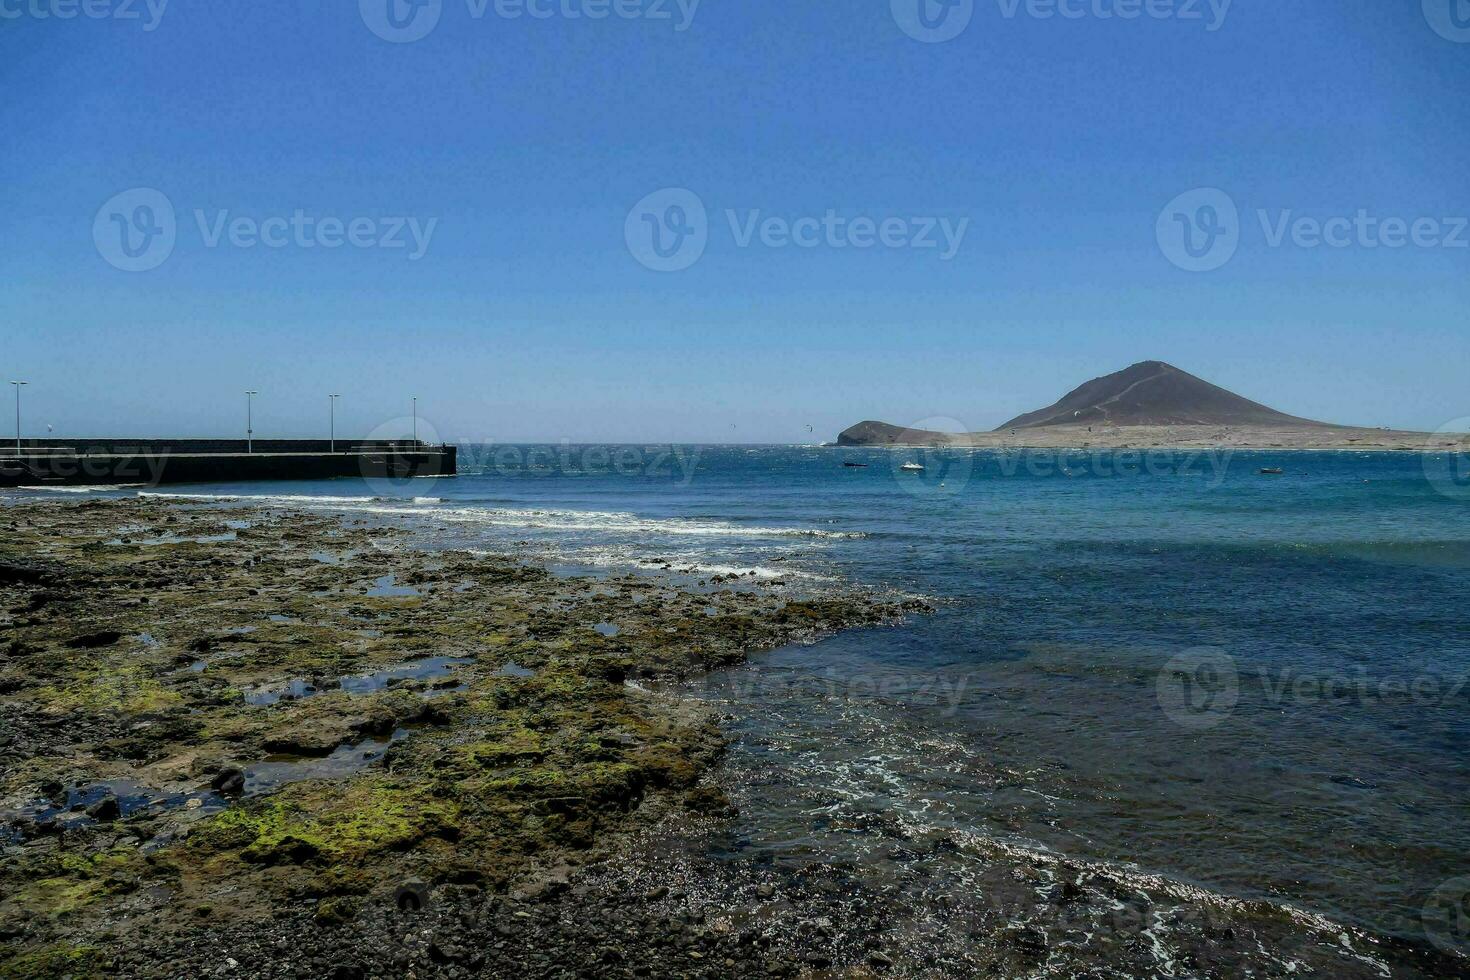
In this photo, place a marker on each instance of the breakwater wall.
(151, 462)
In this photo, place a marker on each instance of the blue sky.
(527, 142)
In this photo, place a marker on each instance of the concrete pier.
(151, 462)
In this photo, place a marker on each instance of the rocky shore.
(241, 741)
(249, 742)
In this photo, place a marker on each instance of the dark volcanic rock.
(230, 782)
(105, 809)
(90, 641)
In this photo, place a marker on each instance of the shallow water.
(346, 760)
(1253, 684)
(429, 668)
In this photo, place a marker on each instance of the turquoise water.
(1253, 684)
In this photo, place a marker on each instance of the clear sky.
(1057, 144)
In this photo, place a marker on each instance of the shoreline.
(221, 714)
(510, 807)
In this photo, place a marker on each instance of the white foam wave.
(613, 559)
(692, 566)
(577, 520)
(263, 498)
(553, 520)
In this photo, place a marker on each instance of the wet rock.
(288, 850)
(411, 896)
(22, 573)
(335, 911)
(711, 801)
(229, 782)
(307, 742)
(1027, 941)
(43, 599)
(545, 887)
(91, 641)
(105, 810)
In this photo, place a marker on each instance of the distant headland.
(1153, 405)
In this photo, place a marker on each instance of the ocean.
(1170, 664)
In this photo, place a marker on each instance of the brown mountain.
(1149, 405)
(1153, 393)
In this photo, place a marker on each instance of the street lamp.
(415, 419)
(250, 421)
(18, 386)
(332, 402)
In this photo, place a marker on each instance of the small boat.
(856, 466)
(911, 468)
(1272, 471)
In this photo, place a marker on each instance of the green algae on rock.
(535, 751)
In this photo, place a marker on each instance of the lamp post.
(18, 386)
(250, 421)
(415, 419)
(332, 401)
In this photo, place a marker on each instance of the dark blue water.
(1170, 663)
